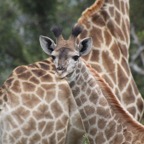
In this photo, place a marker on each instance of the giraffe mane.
(93, 9)
(114, 102)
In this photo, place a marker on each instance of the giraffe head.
(65, 53)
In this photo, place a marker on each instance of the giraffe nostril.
(60, 68)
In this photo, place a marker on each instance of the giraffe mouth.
(61, 74)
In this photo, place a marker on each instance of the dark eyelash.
(53, 57)
(75, 57)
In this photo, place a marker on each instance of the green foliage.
(85, 139)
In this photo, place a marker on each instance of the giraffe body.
(38, 108)
(104, 118)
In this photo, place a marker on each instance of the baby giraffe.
(104, 119)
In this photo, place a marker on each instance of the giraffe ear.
(47, 44)
(85, 46)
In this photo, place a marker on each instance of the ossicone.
(77, 30)
(57, 31)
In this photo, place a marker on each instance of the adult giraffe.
(107, 22)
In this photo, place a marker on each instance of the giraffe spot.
(82, 112)
(92, 120)
(30, 100)
(35, 138)
(34, 80)
(100, 138)
(89, 110)
(38, 72)
(108, 64)
(96, 35)
(16, 87)
(41, 125)
(40, 92)
(28, 87)
(78, 101)
(20, 69)
(101, 123)
(134, 86)
(13, 99)
(93, 131)
(86, 125)
(42, 112)
(48, 129)
(117, 5)
(125, 65)
(46, 78)
(102, 112)
(112, 11)
(29, 127)
(56, 109)
(16, 134)
(93, 97)
(60, 124)
(108, 37)
(125, 30)
(25, 75)
(140, 104)
(11, 122)
(44, 66)
(115, 51)
(128, 136)
(123, 49)
(20, 114)
(122, 78)
(64, 92)
(102, 101)
(97, 67)
(110, 129)
(83, 99)
(119, 128)
(83, 69)
(88, 91)
(95, 55)
(118, 138)
(76, 91)
(98, 20)
(128, 96)
(132, 110)
(105, 15)
(79, 81)
(9, 81)
(118, 17)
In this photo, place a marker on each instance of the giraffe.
(104, 118)
(34, 92)
(107, 22)
(35, 107)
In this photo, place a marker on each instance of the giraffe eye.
(53, 57)
(75, 57)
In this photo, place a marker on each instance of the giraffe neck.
(103, 117)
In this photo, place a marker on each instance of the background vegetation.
(22, 21)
